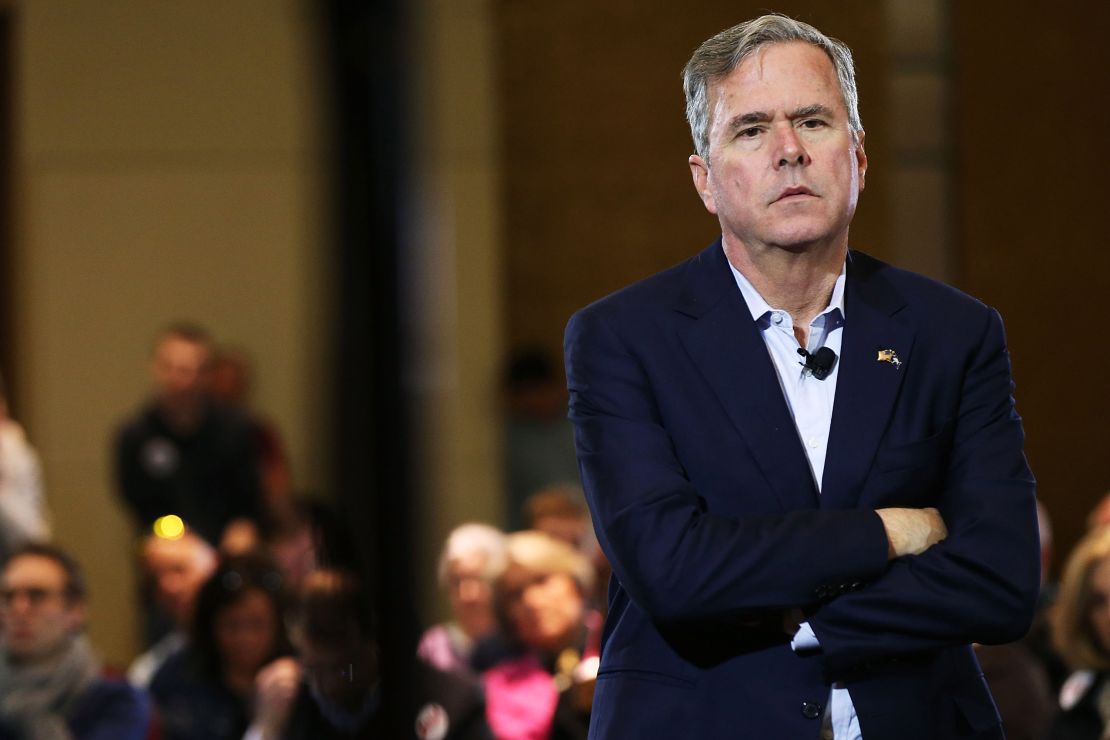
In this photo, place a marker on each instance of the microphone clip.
(818, 364)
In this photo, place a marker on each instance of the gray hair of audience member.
(1072, 632)
(474, 537)
(717, 57)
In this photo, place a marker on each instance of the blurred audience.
(539, 440)
(544, 689)
(331, 690)
(23, 513)
(205, 690)
(1020, 688)
(473, 557)
(1039, 639)
(173, 570)
(184, 454)
(1099, 516)
(311, 536)
(1019, 673)
(561, 512)
(230, 381)
(1081, 633)
(50, 682)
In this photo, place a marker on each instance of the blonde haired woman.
(1081, 633)
(544, 688)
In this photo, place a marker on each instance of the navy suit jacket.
(703, 501)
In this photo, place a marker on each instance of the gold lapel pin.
(889, 355)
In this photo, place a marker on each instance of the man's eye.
(812, 123)
(749, 133)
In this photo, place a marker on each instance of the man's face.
(36, 618)
(342, 674)
(784, 170)
(177, 569)
(178, 367)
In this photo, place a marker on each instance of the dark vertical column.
(371, 442)
(7, 263)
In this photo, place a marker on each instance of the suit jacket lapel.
(866, 387)
(725, 345)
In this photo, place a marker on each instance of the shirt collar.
(760, 308)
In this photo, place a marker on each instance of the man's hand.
(912, 531)
(276, 688)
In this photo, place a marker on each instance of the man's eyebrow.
(741, 120)
(746, 119)
(811, 110)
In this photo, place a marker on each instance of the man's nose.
(790, 151)
(20, 604)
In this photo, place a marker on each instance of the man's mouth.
(792, 192)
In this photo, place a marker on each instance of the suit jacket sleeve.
(679, 561)
(981, 583)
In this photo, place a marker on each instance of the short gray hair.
(718, 56)
(475, 538)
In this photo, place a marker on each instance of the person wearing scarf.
(50, 682)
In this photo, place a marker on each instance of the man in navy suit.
(803, 544)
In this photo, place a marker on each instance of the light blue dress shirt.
(811, 404)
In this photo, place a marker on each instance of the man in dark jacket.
(186, 455)
(805, 466)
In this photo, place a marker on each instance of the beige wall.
(1031, 226)
(168, 164)
(457, 276)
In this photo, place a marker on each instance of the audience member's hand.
(276, 689)
(912, 531)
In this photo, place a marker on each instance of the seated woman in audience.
(473, 556)
(1081, 633)
(23, 514)
(545, 687)
(203, 692)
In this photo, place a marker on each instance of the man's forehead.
(33, 570)
(788, 53)
(170, 562)
(178, 346)
(760, 69)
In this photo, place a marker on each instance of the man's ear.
(699, 170)
(76, 616)
(861, 159)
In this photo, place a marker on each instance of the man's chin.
(21, 652)
(803, 238)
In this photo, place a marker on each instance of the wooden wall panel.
(597, 191)
(1031, 109)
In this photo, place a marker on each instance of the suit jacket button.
(810, 710)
